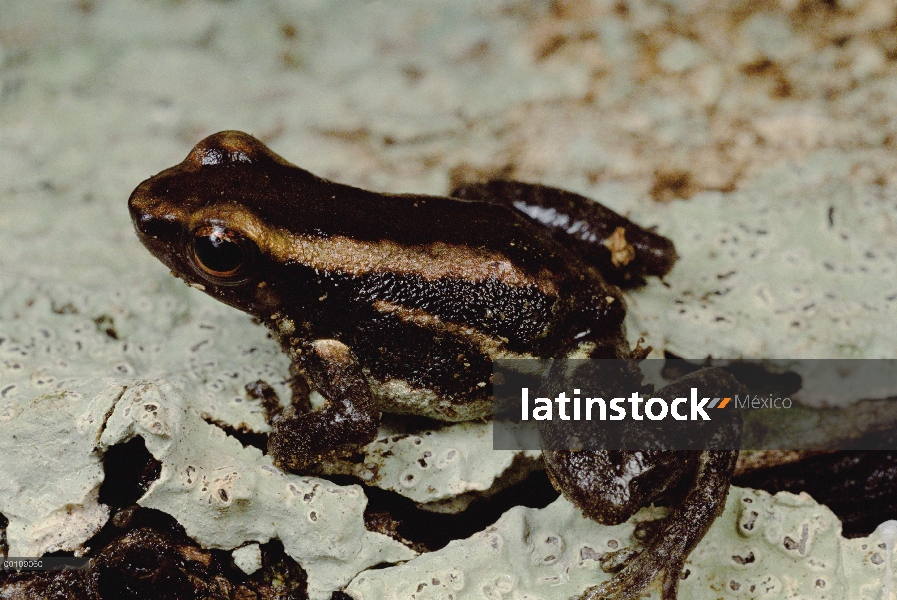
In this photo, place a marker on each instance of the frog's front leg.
(300, 400)
(684, 528)
(347, 421)
(621, 250)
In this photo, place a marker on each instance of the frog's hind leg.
(669, 548)
(621, 250)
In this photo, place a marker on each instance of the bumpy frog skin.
(400, 303)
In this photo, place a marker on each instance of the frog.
(400, 303)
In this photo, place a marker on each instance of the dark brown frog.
(400, 303)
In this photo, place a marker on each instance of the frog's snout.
(160, 235)
(148, 221)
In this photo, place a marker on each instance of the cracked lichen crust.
(51, 473)
(209, 352)
(782, 546)
(546, 553)
(66, 244)
(75, 339)
(248, 558)
(72, 321)
(225, 495)
(442, 469)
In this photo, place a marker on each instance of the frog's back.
(425, 290)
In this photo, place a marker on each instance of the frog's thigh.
(621, 250)
(671, 545)
(350, 418)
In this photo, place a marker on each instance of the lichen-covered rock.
(225, 495)
(78, 336)
(781, 546)
(546, 553)
(248, 558)
(51, 472)
(615, 100)
(441, 469)
(790, 266)
(876, 554)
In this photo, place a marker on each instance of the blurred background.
(668, 98)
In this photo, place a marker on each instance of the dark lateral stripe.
(519, 315)
(447, 364)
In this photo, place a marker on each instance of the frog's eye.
(221, 254)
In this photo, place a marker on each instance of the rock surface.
(781, 546)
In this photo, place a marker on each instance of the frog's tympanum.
(399, 303)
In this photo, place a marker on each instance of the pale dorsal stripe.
(342, 254)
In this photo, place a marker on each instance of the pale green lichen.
(442, 469)
(51, 472)
(208, 351)
(782, 546)
(208, 479)
(86, 117)
(528, 553)
(248, 558)
(784, 267)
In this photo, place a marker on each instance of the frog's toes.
(267, 397)
(613, 562)
(635, 571)
(348, 420)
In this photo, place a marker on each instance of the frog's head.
(208, 218)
